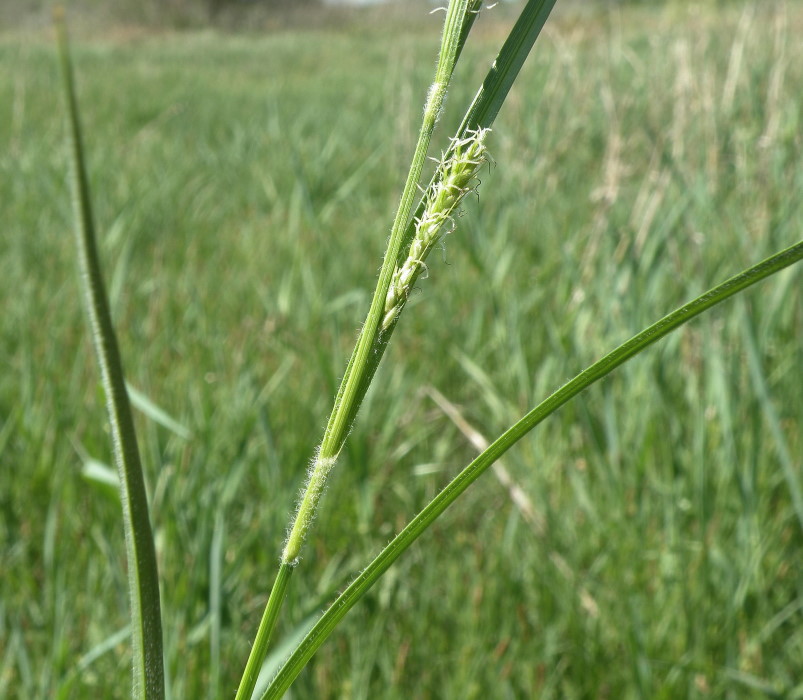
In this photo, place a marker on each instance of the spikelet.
(453, 180)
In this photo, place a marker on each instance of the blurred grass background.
(244, 186)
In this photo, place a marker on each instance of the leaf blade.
(329, 620)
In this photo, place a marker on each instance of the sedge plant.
(416, 230)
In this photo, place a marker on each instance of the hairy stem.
(459, 18)
(353, 387)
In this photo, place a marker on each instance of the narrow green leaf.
(148, 664)
(329, 620)
(505, 69)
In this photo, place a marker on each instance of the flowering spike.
(453, 179)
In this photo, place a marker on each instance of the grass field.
(244, 189)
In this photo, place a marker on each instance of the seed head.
(454, 178)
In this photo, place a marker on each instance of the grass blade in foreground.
(143, 578)
(335, 613)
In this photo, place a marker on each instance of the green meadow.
(645, 542)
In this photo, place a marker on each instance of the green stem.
(459, 17)
(480, 115)
(266, 625)
(372, 341)
(143, 578)
(329, 620)
(353, 387)
(493, 92)
(351, 394)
